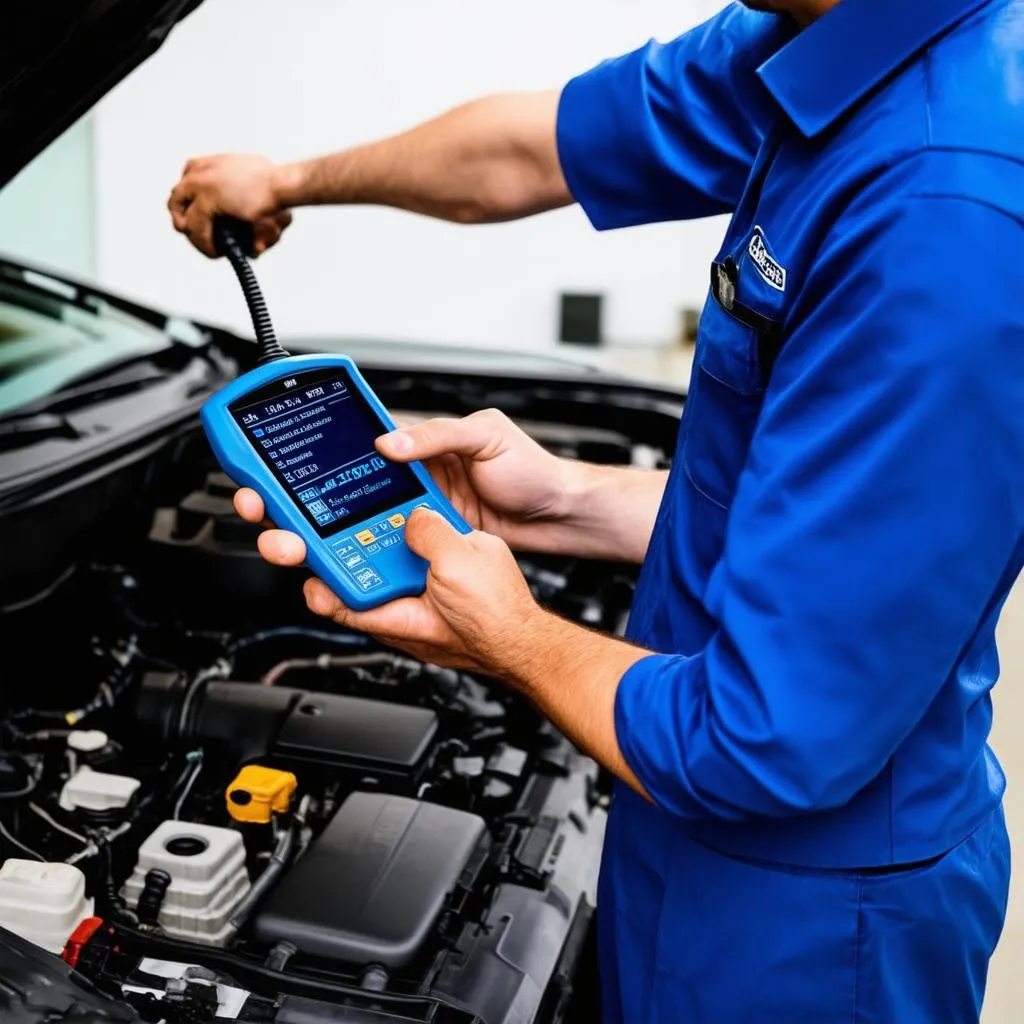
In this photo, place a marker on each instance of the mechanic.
(807, 825)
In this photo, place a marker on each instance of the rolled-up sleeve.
(670, 131)
(878, 518)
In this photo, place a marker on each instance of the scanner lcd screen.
(315, 431)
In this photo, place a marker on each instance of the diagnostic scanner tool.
(300, 431)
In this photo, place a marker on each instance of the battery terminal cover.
(258, 793)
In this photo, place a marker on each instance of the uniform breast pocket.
(725, 401)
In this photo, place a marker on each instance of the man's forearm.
(609, 511)
(491, 160)
(572, 674)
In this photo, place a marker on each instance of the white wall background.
(299, 78)
(47, 211)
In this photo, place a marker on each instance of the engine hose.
(112, 686)
(228, 236)
(275, 866)
(302, 632)
(108, 888)
(327, 661)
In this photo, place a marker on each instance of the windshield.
(48, 342)
(50, 335)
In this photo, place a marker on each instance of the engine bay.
(215, 806)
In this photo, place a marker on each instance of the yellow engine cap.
(259, 792)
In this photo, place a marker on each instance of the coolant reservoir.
(42, 903)
(208, 878)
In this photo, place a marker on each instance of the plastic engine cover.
(372, 885)
(208, 878)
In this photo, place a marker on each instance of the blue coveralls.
(842, 522)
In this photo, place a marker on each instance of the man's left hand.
(477, 613)
(473, 614)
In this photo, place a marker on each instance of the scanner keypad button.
(367, 578)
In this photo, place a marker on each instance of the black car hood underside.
(58, 57)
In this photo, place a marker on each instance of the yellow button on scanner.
(258, 792)
(397, 520)
(365, 537)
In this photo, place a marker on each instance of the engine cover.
(355, 736)
(371, 887)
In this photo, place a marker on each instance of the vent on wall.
(580, 320)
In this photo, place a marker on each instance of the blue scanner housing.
(300, 432)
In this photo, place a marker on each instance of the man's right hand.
(503, 483)
(498, 479)
(251, 188)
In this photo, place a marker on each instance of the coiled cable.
(230, 236)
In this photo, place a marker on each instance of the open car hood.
(58, 57)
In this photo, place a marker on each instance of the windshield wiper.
(113, 383)
(21, 430)
(97, 391)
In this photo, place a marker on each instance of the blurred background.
(297, 79)
(293, 80)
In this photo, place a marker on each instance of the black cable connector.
(233, 239)
(152, 897)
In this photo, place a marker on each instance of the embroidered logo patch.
(769, 268)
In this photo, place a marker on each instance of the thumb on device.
(431, 536)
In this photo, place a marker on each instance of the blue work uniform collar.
(837, 60)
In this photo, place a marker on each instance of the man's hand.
(492, 160)
(477, 613)
(501, 481)
(475, 609)
(504, 483)
(250, 188)
(497, 478)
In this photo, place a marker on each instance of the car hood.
(416, 356)
(58, 57)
